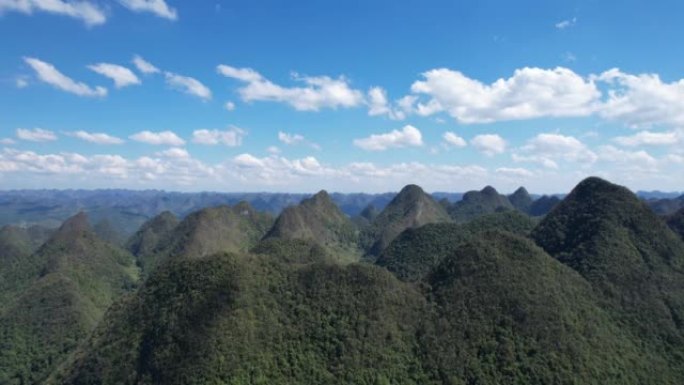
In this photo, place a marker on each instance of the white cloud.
(231, 137)
(642, 100)
(529, 93)
(566, 23)
(85, 11)
(514, 172)
(121, 76)
(36, 135)
(489, 144)
(649, 138)
(636, 160)
(95, 137)
(158, 138)
(290, 139)
(408, 136)
(157, 7)
(296, 139)
(229, 106)
(319, 92)
(175, 152)
(50, 75)
(144, 66)
(7, 141)
(454, 140)
(548, 148)
(188, 85)
(273, 150)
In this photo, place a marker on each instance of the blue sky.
(342, 95)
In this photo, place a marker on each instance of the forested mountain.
(476, 203)
(318, 219)
(411, 208)
(55, 297)
(590, 293)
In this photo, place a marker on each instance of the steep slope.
(67, 286)
(152, 236)
(511, 314)
(521, 200)
(498, 310)
(414, 253)
(543, 205)
(632, 259)
(476, 203)
(676, 222)
(320, 220)
(412, 207)
(216, 229)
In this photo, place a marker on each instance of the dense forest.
(409, 288)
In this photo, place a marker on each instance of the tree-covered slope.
(60, 294)
(208, 231)
(476, 203)
(521, 200)
(543, 205)
(318, 219)
(676, 222)
(415, 252)
(411, 208)
(632, 259)
(497, 310)
(152, 237)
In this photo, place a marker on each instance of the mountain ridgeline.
(491, 289)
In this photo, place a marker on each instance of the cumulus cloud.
(529, 93)
(144, 66)
(453, 140)
(175, 152)
(85, 11)
(229, 106)
(121, 75)
(168, 138)
(408, 136)
(7, 141)
(650, 138)
(36, 135)
(231, 137)
(642, 100)
(47, 73)
(489, 144)
(156, 7)
(638, 158)
(188, 85)
(295, 139)
(317, 93)
(548, 148)
(96, 137)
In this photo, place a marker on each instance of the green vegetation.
(205, 232)
(543, 205)
(631, 258)
(57, 296)
(676, 222)
(521, 200)
(591, 294)
(416, 252)
(411, 208)
(476, 203)
(318, 219)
